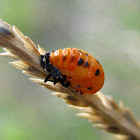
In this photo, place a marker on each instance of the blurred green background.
(109, 30)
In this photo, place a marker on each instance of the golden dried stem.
(97, 108)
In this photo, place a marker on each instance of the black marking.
(64, 58)
(89, 88)
(97, 72)
(86, 64)
(80, 92)
(80, 51)
(80, 61)
(69, 77)
(54, 73)
(42, 62)
(83, 52)
(78, 86)
(97, 61)
(72, 58)
(5, 32)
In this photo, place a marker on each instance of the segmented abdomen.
(80, 68)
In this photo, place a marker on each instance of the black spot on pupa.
(80, 61)
(86, 64)
(86, 54)
(78, 86)
(97, 72)
(97, 61)
(69, 77)
(72, 58)
(80, 92)
(83, 52)
(80, 51)
(64, 58)
(89, 88)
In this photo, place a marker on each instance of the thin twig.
(98, 108)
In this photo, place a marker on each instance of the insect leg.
(63, 84)
(47, 78)
(64, 78)
(55, 80)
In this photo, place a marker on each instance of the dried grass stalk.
(98, 108)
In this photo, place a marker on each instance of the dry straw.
(98, 108)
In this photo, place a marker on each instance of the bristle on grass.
(98, 108)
